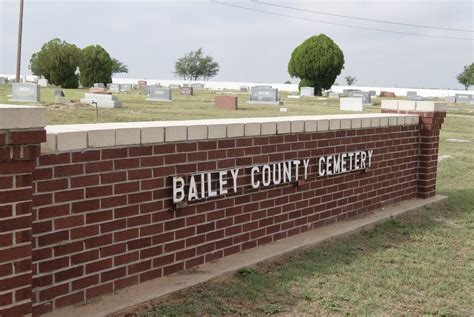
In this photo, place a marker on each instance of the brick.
(28, 137)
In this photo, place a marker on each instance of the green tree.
(194, 65)
(118, 67)
(350, 80)
(96, 66)
(466, 78)
(317, 62)
(57, 61)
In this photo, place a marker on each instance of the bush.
(96, 66)
(57, 61)
(317, 62)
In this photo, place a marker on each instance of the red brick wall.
(103, 219)
(18, 152)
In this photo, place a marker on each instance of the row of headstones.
(461, 98)
(43, 82)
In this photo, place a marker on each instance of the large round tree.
(57, 61)
(96, 66)
(317, 62)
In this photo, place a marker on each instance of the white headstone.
(351, 104)
(25, 92)
(159, 94)
(307, 91)
(43, 82)
(114, 87)
(102, 100)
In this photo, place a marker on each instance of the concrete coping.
(411, 105)
(21, 117)
(83, 136)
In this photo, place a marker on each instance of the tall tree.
(195, 65)
(466, 78)
(57, 61)
(95, 66)
(317, 62)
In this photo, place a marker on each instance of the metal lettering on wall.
(216, 183)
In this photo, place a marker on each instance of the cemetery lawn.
(199, 106)
(416, 264)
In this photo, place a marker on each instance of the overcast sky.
(150, 35)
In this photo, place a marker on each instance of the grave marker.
(351, 104)
(463, 98)
(99, 85)
(186, 91)
(226, 102)
(264, 95)
(159, 94)
(43, 82)
(126, 87)
(360, 94)
(307, 92)
(197, 85)
(114, 87)
(25, 92)
(103, 100)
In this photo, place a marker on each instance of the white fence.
(221, 85)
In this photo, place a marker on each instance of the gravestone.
(366, 98)
(351, 104)
(114, 87)
(99, 85)
(126, 87)
(226, 102)
(186, 91)
(197, 85)
(463, 98)
(387, 94)
(372, 93)
(159, 94)
(244, 88)
(451, 99)
(3, 80)
(142, 83)
(411, 93)
(333, 95)
(43, 82)
(148, 87)
(346, 92)
(265, 95)
(59, 93)
(25, 92)
(102, 100)
(307, 92)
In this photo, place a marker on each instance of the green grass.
(417, 264)
(199, 106)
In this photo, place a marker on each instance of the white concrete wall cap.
(21, 117)
(83, 136)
